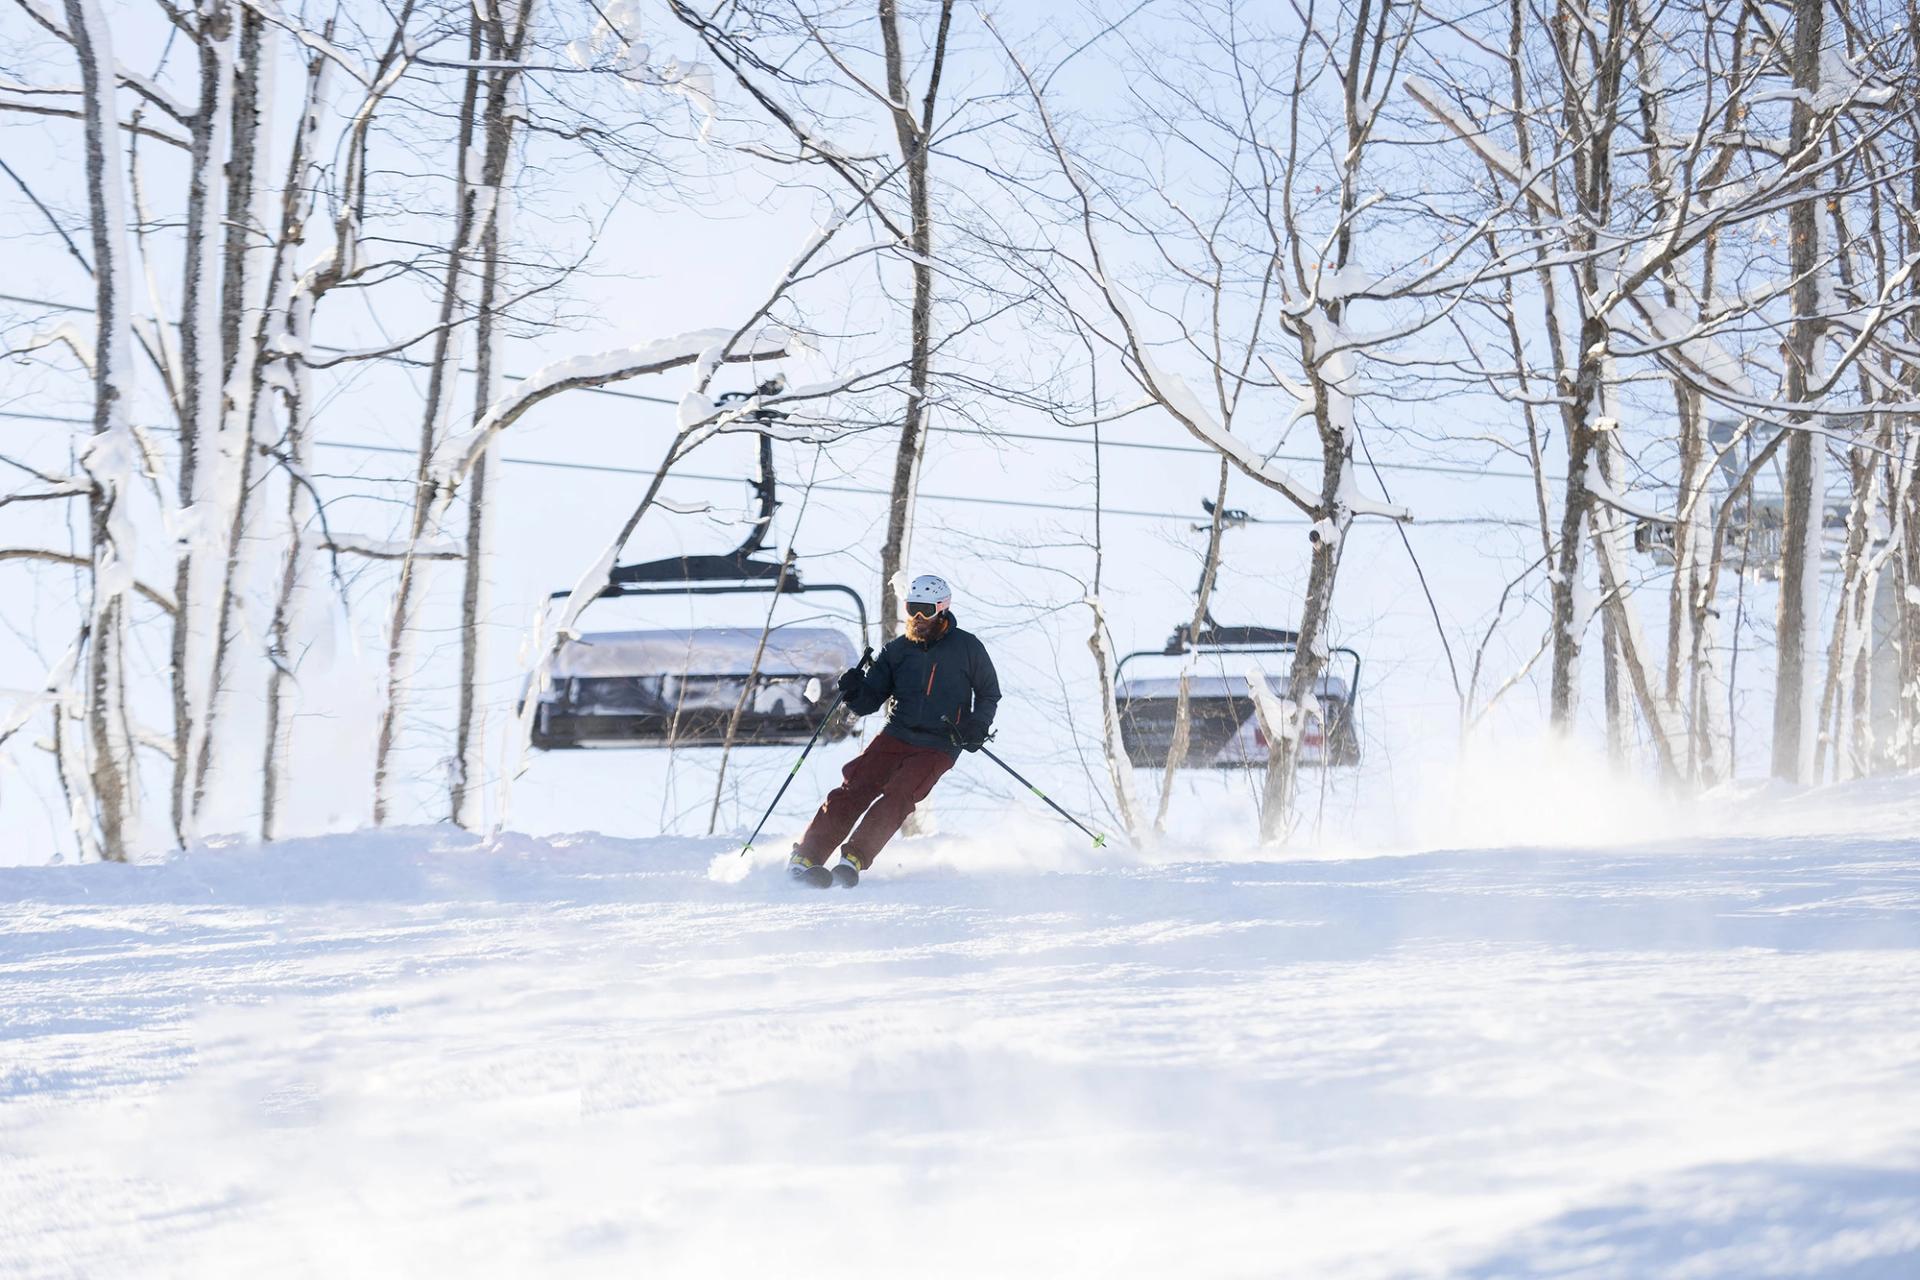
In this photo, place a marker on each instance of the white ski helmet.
(930, 589)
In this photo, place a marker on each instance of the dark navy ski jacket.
(949, 676)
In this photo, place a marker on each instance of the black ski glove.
(851, 681)
(971, 733)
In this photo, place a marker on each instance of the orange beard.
(920, 630)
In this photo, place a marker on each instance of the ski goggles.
(922, 608)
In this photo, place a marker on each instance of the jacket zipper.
(930, 675)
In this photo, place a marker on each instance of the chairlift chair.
(1757, 523)
(680, 687)
(1223, 730)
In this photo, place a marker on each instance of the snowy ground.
(407, 1055)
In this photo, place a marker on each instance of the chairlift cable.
(864, 490)
(609, 469)
(1149, 446)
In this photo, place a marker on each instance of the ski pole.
(1099, 841)
(866, 659)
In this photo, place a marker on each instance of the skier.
(944, 692)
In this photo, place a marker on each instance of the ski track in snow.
(405, 1054)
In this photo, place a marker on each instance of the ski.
(810, 876)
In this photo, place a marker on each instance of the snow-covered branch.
(459, 452)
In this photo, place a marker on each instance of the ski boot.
(811, 874)
(846, 872)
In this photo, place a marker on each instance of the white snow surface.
(416, 1053)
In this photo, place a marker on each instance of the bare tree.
(505, 28)
(1649, 226)
(1272, 289)
(110, 792)
(342, 262)
(1794, 728)
(914, 135)
(764, 51)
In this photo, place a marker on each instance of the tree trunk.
(286, 647)
(241, 365)
(504, 43)
(1202, 612)
(1794, 725)
(445, 370)
(1590, 116)
(289, 601)
(299, 298)
(1835, 694)
(108, 786)
(1710, 749)
(1112, 744)
(202, 468)
(1904, 751)
(1604, 525)
(912, 137)
(1570, 615)
(1310, 654)
(1694, 470)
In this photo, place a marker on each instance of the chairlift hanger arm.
(764, 488)
(766, 484)
(736, 572)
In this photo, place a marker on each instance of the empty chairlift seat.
(1223, 730)
(681, 687)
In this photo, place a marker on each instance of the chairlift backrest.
(704, 651)
(1218, 686)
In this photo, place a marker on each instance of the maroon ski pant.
(884, 782)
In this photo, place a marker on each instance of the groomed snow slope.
(403, 1054)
